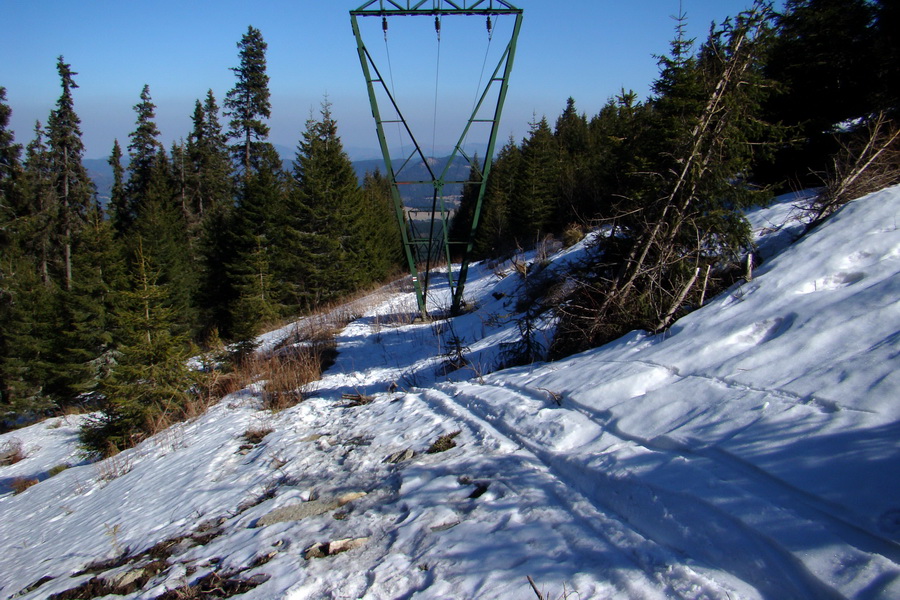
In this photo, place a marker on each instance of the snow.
(751, 451)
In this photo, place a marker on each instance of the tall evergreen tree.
(153, 214)
(211, 199)
(10, 165)
(28, 290)
(824, 55)
(118, 198)
(11, 177)
(215, 292)
(325, 226)
(825, 62)
(29, 331)
(493, 236)
(10, 187)
(887, 49)
(384, 249)
(83, 345)
(27, 319)
(143, 150)
(248, 247)
(150, 379)
(207, 153)
(247, 103)
(571, 135)
(461, 226)
(615, 160)
(251, 252)
(705, 129)
(74, 189)
(535, 201)
(38, 215)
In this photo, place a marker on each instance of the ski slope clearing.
(752, 451)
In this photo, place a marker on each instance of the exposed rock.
(399, 457)
(445, 526)
(350, 497)
(323, 549)
(303, 510)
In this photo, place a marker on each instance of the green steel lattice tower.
(497, 84)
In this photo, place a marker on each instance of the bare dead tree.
(870, 164)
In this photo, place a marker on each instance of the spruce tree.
(38, 214)
(615, 162)
(207, 154)
(326, 220)
(249, 241)
(461, 225)
(27, 300)
(252, 253)
(73, 187)
(493, 237)
(825, 56)
(10, 201)
(118, 198)
(687, 212)
(535, 201)
(571, 135)
(247, 103)
(256, 303)
(825, 62)
(11, 177)
(150, 380)
(30, 330)
(143, 150)
(384, 247)
(153, 214)
(887, 50)
(248, 246)
(211, 199)
(10, 165)
(83, 346)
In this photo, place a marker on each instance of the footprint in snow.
(762, 331)
(832, 282)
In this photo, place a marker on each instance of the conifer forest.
(210, 241)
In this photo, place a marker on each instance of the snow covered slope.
(752, 451)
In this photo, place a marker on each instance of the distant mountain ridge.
(415, 196)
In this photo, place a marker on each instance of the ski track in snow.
(646, 509)
(749, 453)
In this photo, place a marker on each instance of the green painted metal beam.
(381, 8)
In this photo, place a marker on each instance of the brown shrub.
(443, 443)
(11, 452)
(255, 435)
(20, 484)
(288, 373)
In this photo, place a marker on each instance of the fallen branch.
(534, 587)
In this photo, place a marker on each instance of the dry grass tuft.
(20, 484)
(255, 435)
(11, 452)
(116, 465)
(287, 375)
(443, 443)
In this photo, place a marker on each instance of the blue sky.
(587, 49)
